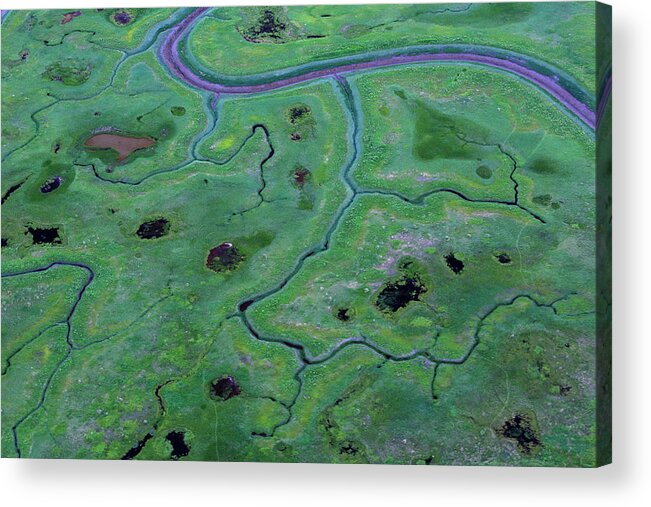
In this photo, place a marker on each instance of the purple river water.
(169, 53)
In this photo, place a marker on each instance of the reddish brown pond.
(124, 145)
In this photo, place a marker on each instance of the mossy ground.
(467, 181)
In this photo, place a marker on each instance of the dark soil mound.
(224, 257)
(225, 388)
(343, 314)
(519, 429)
(297, 113)
(44, 235)
(400, 293)
(456, 265)
(153, 229)
(301, 176)
(503, 258)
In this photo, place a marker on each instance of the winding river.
(550, 81)
(522, 66)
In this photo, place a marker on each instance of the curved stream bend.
(169, 53)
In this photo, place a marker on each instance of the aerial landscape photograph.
(345, 234)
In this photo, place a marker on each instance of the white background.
(625, 483)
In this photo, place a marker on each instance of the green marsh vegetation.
(387, 266)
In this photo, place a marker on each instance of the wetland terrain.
(336, 234)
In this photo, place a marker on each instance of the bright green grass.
(381, 232)
(157, 281)
(156, 327)
(444, 122)
(551, 32)
(35, 41)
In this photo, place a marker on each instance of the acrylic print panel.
(337, 234)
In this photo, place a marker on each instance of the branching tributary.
(352, 192)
